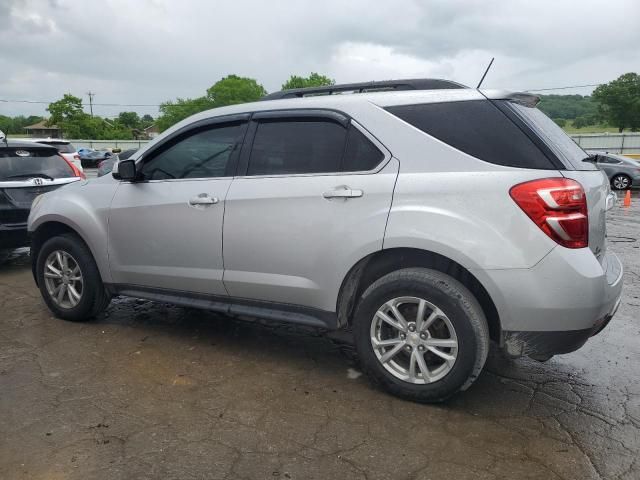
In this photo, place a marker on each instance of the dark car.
(92, 158)
(106, 166)
(27, 170)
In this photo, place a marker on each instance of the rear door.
(314, 199)
(165, 231)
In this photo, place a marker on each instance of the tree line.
(616, 103)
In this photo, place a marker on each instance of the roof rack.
(386, 85)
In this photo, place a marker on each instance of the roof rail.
(411, 84)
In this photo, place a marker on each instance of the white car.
(65, 148)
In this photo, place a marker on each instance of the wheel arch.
(377, 264)
(47, 230)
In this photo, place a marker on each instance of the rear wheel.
(69, 279)
(621, 182)
(421, 335)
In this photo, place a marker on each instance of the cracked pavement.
(156, 391)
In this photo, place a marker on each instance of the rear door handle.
(343, 192)
(203, 199)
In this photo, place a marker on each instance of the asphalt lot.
(155, 391)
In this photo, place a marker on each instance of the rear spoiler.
(523, 98)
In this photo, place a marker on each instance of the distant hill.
(568, 107)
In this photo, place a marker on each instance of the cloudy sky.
(148, 51)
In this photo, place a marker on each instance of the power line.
(562, 88)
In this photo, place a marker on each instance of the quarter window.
(205, 153)
(297, 146)
(360, 154)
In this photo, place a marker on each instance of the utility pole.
(91, 95)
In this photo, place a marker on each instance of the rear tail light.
(558, 206)
(76, 171)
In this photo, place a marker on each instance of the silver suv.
(426, 217)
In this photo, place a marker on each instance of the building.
(41, 130)
(151, 132)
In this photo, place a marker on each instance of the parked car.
(623, 172)
(27, 170)
(428, 222)
(106, 166)
(65, 148)
(91, 159)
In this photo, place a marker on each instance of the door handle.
(203, 199)
(343, 192)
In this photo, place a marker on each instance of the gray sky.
(149, 51)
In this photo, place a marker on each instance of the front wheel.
(421, 335)
(621, 182)
(69, 279)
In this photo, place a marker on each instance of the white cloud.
(148, 51)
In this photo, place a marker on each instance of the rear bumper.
(13, 236)
(558, 304)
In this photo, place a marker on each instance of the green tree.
(172, 112)
(561, 122)
(146, 121)
(234, 89)
(129, 119)
(67, 108)
(313, 80)
(620, 101)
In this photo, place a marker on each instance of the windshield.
(556, 139)
(21, 163)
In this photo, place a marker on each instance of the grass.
(569, 128)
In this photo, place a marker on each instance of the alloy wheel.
(414, 340)
(63, 279)
(620, 182)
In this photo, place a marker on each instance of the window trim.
(329, 115)
(192, 129)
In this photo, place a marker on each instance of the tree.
(226, 91)
(620, 101)
(65, 109)
(146, 121)
(561, 122)
(129, 119)
(313, 80)
(172, 112)
(233, 89)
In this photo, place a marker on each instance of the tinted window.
(21, 163)
(553, 136)
(203, 154)
(478, 128)
(608, 160)
(361, 154)
(296, 146)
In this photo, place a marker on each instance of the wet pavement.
(155, 391)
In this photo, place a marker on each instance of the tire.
(93, 298)
(460, 311)
(621, 182)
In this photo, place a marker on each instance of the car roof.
(24, 144)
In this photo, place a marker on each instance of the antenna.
(485, 72)
(92, 94)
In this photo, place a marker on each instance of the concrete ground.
(155, 391)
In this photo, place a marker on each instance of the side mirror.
(125, 170)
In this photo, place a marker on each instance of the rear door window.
(477, 128)
(23, 163)
(297, 146)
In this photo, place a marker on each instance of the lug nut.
(408, 348)
(421, 348)
(403, 336)
(412, 327)
(423, 336)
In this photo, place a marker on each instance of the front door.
(165, 231)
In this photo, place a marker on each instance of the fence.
(625, 143)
